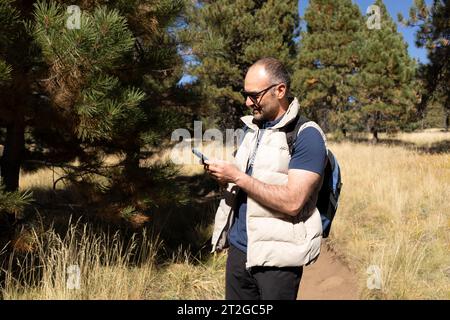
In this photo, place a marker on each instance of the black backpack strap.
(291, 130)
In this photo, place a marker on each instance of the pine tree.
(107, 88)
(11, 203)
(328, 60)
(12, 40)
(114, 80)
(387, 95)
(229, 36)
(8, 20)
(434, 35)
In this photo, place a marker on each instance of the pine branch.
(14, 202)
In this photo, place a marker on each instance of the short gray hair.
(276, 70)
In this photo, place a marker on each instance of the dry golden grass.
(422, 138)
(190, 164)
(46, 176)
(107, 271)
(179, 278)
(183, 279)
(42, 178)
(103, 263)
(394, 213)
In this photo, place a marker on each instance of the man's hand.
(223, 171)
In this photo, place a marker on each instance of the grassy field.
(420, 138)
(394, 213)
(109, 268)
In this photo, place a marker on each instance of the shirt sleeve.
(309, 151)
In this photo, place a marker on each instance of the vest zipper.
(253, 155)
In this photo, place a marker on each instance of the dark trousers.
(259, 283)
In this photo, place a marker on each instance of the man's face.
(265, 106)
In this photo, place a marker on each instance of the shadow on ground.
(184, 229)
(179, 227)
(189, 226)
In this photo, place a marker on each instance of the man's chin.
(257, 116)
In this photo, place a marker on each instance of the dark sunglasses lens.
(252, 97)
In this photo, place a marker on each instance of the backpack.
(327, 201)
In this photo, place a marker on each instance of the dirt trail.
(328, 279)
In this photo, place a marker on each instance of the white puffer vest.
(274, 238)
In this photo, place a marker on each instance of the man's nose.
(249, 102)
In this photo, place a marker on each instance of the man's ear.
(281, 91)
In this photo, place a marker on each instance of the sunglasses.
(254, 96)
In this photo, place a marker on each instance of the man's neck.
(284, 105)
(263, 123)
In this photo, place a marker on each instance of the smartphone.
(200, 155)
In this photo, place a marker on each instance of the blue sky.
(394, 7)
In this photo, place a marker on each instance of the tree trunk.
(374, 127)
(375, 136)
(132, 161)
(12, 154)
(14, 104)
(447, 119)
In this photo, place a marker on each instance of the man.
(268, 216)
